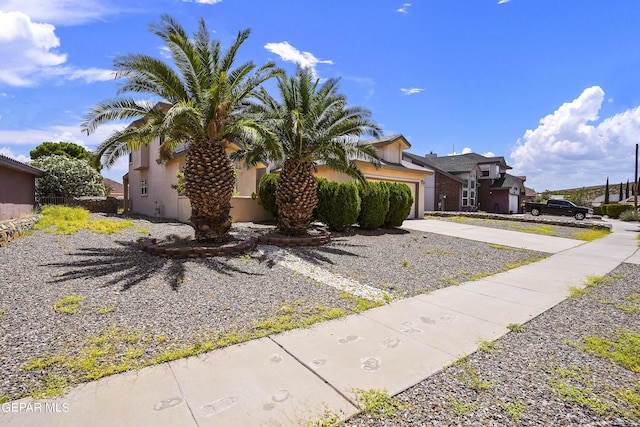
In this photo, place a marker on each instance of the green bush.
(400, 204)
(324, 190)
(338, 204)
(597, 210)
(615, 209)
(267, 193)
(374, 205)
(629, 215)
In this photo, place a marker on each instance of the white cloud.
(288, 53)
(569, 149)
(404, 8)
(412, 90)
(29, 52)
(465, 150)
(503, 1)
(63, 12)
(489, 154)
(203, 1)
(6, 151)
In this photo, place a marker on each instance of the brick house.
(484, 182)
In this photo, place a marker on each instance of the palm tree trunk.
(209, 181)
(296, 197)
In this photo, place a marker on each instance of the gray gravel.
(135, 302)
(527, 366)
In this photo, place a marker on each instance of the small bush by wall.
(338, 204)
(400, 204)
(597, 210)
(374, 205)
(614, 209)
(267, 193)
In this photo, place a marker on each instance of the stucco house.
(148, 184)
(17, 187)
(393, 168)
(485, 183)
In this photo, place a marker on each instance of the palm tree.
(310, 124)
(203, 102)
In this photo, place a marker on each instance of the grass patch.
(53, 386)
(328, 419)
(69, 220)
(461, 408)
(631, 304)
(501, 247)
(623, 349)
(545, 229)
(359, 304)
(597, 280)
(515, 327)
(572, 385)
(472, 379)
(3, 311)
(378, 404)
(487, 346)
(577, 291)
(68, 304)
(591, 234)
(105, 310)
(515, 408)
(4, 398)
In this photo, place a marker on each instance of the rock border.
(569, 222)
(151, 247)
(11, 229)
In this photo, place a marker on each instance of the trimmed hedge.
(338, 204)
(597, 210)
(400, 204)
(267, 193)
(374, 205)
(615, 209)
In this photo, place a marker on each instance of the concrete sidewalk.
(293, 377)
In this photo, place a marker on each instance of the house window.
(465, 201)
(473, 184)
(485, 173)
(473, 202)
(143, 187)
(465, 193)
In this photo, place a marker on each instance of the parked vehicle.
(559, 207)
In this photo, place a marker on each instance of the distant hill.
(589, 193)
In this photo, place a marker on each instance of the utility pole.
(635, 196)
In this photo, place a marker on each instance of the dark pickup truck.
(558, 207)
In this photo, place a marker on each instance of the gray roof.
(460, 162)
(10, 163)
(419, 160)
(507, 181)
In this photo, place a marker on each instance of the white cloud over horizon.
(18, 143)
(569, 148)
(288, 53)
(203, 1)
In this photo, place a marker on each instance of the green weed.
(69, 220)
(68, 304)
(378, 404)
(623, 349)
(590, 234)
(514, 408)
(461, 408)
(106, 310)
(516, 327)
(487, 346)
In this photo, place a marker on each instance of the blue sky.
(551, 85)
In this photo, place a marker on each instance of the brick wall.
(449, 187)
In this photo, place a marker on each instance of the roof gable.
(19, 166)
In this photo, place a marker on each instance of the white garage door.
(513, 203)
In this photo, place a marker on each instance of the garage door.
(513, 203)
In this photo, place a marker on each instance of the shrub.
(597, 210)
(400, 204)
(615, 209)
(374, 205)
(267, 193)
(629, 215)
(67, 177)
(338, 204)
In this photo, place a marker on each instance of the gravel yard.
(544, 375)
(78, 307)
